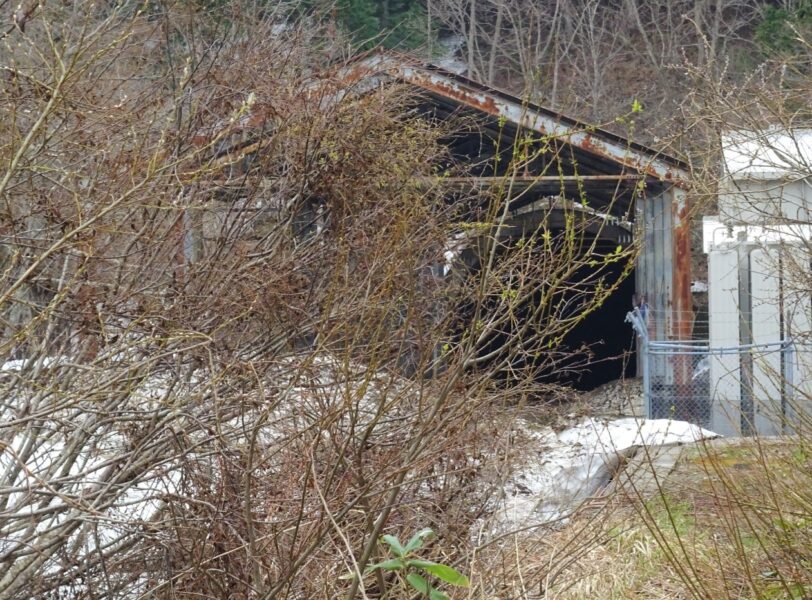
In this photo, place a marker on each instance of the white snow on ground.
(41, 480)
(562, 469)
(558, 470)
(22, 364)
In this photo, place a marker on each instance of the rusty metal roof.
(373, 68)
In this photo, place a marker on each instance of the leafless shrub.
(219, 313)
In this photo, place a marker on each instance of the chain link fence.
(736, 390)
(678, 383)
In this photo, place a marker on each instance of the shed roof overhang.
(375, 68)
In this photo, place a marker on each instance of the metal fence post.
(638, 322)
(646, 376)
(788, 400)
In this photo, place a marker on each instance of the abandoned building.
(759, 350)
(630, 191)
(627, 191)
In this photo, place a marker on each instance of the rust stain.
(488, 104)
(683, 308)
(595, 146)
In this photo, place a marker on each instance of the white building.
(760, 306)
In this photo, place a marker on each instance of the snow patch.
(23, 364)
(563, 469)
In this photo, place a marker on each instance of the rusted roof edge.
(497, 102)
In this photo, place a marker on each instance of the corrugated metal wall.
(663, 274)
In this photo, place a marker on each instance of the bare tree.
(593, 59)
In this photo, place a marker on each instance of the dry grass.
(731, 521)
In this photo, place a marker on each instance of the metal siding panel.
(659, 270)
(682, 301)
(725, 388)
(798, 319)
(766, 329)
(651, 253)
(641, 271)
(764, 201)
(679, 297)
(667, 273)
(659, 370)
(659, 266)
(667, 258)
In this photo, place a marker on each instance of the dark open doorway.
(599, 349)
(610, 340)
